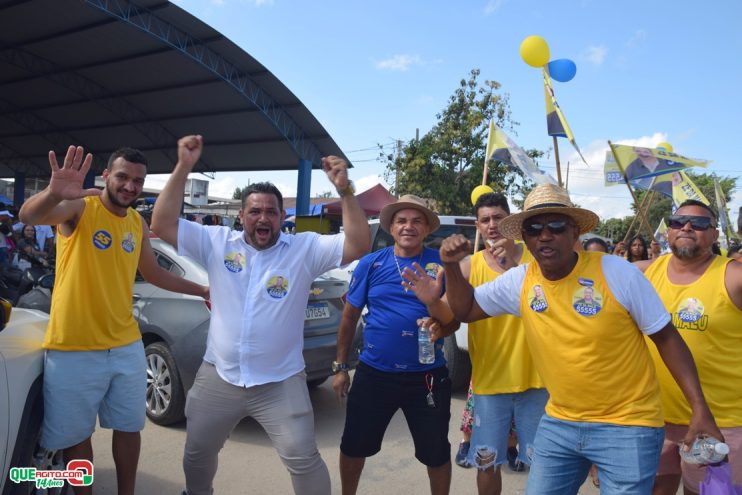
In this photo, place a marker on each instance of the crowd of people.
(580, 359)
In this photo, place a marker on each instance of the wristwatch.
(349, 190)
(338, 367)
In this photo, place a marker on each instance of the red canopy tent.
(372, 201)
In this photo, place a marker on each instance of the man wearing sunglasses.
(703, 293)
(604, 405)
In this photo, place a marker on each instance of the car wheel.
(316, 382)
(165, 401)
(459, 365)
(33, 454)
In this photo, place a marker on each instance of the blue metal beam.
(196, 50)
(303, 187)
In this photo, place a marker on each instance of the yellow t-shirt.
(711, 326)
(93, 290)
(501, 361)
(587, 348)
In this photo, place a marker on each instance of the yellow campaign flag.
(506, 151)
(612, 176)
(490, 141)
(556, 122)
(660, 235)
(724, 223)
(643, 163)
(684, 189)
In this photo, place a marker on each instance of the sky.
(373, 72)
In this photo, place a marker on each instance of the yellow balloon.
(478, 191)
(665, 146)
(535, 51)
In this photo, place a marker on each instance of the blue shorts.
(626, 457)
(492, 417)
(82, 385)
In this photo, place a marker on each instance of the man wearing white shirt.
(260, 280)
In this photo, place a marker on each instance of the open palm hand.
(66, 182)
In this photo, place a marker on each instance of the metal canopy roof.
(105, 74)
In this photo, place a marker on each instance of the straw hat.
(547, 198)
(404, 202)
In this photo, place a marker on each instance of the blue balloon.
(562, 69)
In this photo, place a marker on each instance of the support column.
(303, 187)
(19, 189)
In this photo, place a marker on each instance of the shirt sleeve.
(194, 240)
(326, 253)
(502, 295)
(358, 287)
(635, 293)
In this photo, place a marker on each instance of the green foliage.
(325, 194)
(237, 194)
(614, 228)
(447, 163)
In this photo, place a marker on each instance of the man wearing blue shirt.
(389, 375)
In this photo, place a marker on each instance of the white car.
(21, 402)
(455, 347)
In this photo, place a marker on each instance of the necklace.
(399, 269)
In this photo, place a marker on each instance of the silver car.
(174, 328)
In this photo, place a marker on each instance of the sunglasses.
(555, 227)
(697, 223)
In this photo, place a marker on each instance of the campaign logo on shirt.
(432, 269)
(277, 287)
(128, 243)
(102, 240)
(235, 262)
(690, 310)
(587, 301)
(536, 299)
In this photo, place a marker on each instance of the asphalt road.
(249, 465)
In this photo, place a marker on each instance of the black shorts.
(376, 395)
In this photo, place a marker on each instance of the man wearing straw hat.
(604, 405)
(389, 375)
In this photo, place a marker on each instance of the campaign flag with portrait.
(683, 189)
(643, 163)
(725, 225)
(505, 150)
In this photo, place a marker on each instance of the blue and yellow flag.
(684, 189)
(501, 148)
(556, 123)
(642, 163)
(725, 225)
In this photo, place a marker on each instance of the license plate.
(317, 311)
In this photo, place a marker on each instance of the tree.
(237, 194)
(447, 162)
(325, 194)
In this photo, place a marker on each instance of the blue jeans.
(626, 457)
(493, 417)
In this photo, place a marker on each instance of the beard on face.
(685, 252)
(113, 199)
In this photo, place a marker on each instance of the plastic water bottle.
(425, 346)
(705, 450)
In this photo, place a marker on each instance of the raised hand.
(503, 250)
(337, 171)
(66, 182)
(189, 150)
(455, 248)
(427, 289)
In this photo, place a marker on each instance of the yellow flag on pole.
(556, 122)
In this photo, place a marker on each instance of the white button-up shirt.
(258, 297)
